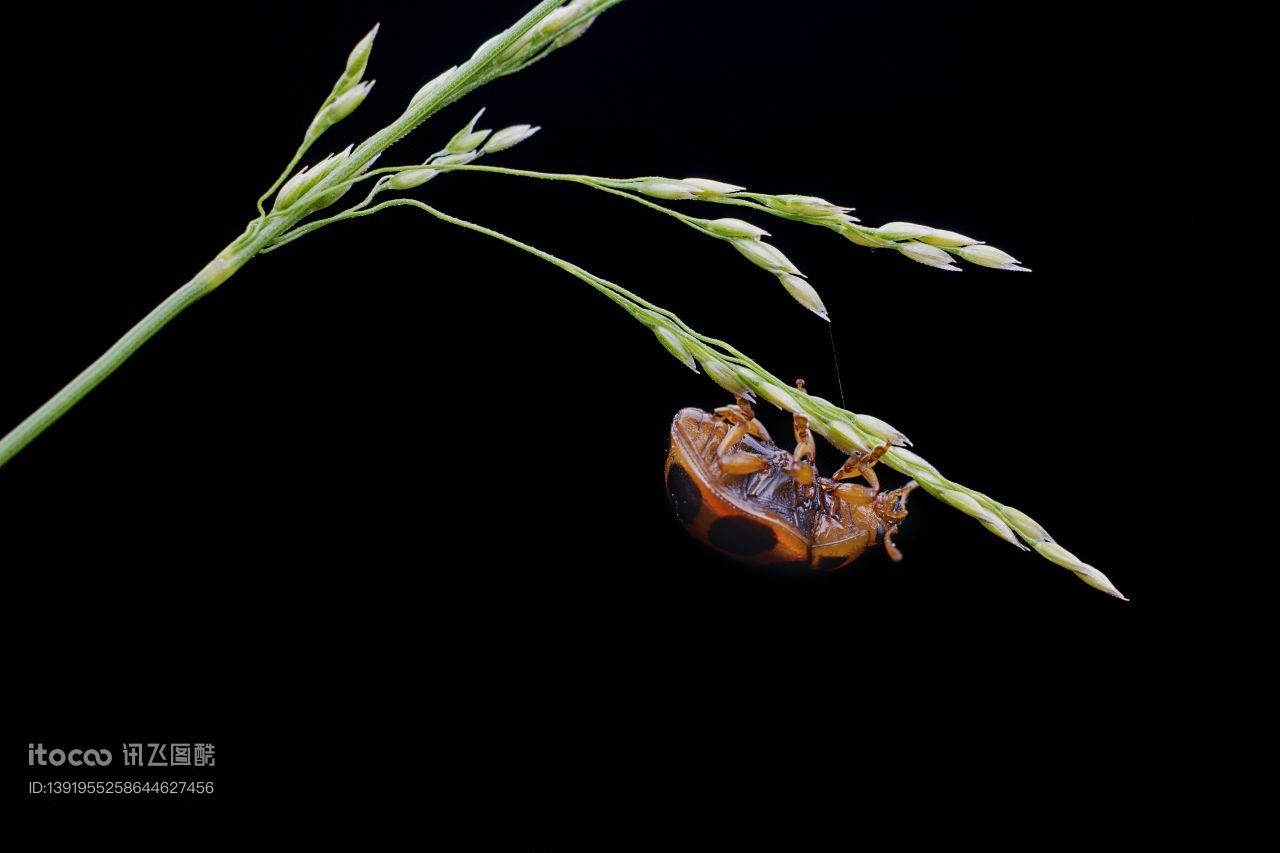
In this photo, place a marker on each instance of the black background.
(229, 541)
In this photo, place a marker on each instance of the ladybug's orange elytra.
(741, 494)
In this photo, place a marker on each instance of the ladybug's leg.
(894, 504)
(800, 470)
(741, 411)
(859, 464)
(741, 420)
(799, 465)
(889, 547)
(806, 448)
(737, 462)
(891, 507)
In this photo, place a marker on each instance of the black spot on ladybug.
(879, 533)
(825, 563)
(741, 536)
(685, 496)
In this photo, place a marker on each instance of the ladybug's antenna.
(835, 359)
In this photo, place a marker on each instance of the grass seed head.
(460, 159)
(865, 237)
(946, 239)
(412, 178)
(967, 505)
(729, 227)
(706, 186)
(990, 256)
(802, 291)
(882, 430)
(1026, 525)
(724, 375)
(672, 343)
(432, 86)
(347, 102)
(916, 462)
(804, 205)
(930, 256)
(843, 436)
(571, 35)
(556, 21)
(999, 528)
(765, 256)
(357, 60)
(509, 137)
(671, 190)
(1055, 553)
(903, 231)
(297, 186)
(468, 139)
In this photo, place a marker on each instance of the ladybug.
(738, 492)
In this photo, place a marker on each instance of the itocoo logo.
(37, 754)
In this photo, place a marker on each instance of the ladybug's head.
(891, 506)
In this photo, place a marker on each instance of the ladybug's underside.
(746, 497)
